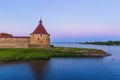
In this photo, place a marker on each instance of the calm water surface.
(107, 68)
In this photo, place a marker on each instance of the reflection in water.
(38, 67)
(25, 70)
(66, 68)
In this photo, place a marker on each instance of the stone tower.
(40, 38)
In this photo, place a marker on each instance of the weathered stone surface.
(39, 40)
(14, 42)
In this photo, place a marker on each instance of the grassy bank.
(17, 54)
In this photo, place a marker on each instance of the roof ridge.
(40, 29)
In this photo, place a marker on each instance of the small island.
(19, 54)
(37, 46)
(117, 43)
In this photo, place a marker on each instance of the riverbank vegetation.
(103, 43)
(17, 54)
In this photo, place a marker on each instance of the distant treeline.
(103, 43)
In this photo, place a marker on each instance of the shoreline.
(25, 54)
(107, 43)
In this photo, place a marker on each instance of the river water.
(85, 68)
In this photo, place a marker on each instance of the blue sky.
(65, 20)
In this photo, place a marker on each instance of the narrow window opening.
(41, 42)
(38, 39)
(41, 35)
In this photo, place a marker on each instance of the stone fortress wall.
(34, 41)
(14, 42)
(38, 39)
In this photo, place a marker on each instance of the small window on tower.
(41, 35)
(38, 39)
(41, 42)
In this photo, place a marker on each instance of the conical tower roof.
(40, 29)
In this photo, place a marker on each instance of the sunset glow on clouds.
(91, 30)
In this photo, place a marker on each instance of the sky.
(65, 20)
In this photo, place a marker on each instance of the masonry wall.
(14, 42)
(39, 40)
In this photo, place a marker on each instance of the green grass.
(17, 54)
